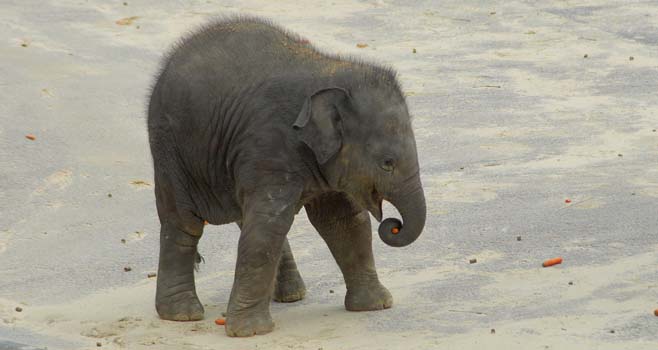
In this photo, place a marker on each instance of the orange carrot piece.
(220, 321)
(30, 137)
(395, 230)
(551, 262)
(655, 312)
(205, 222)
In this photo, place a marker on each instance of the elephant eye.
(388, 164)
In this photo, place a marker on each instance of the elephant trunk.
(410, 202)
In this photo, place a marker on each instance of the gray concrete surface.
(517, 106)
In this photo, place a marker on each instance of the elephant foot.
(184, 306)
(368, 298)
(249, 324)
(289, 287)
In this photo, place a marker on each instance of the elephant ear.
(318, 123)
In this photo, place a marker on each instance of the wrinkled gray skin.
(247, 124)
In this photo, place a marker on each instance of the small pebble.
(631, 58)
(492, 13)
(612, 331)
(98, 344)
(518, 238)
(151, 275)
(109, 195)
(125, 3)
(413, 51)
(654, 130)
(18, 309)
(585, 56)
(331, 291)
(127, 269)
(473, 261)
(571, 283)
(620, 155)
(493, 331)
(123, 240)
(224, 314)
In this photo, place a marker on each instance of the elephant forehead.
(383, 100)
(396, 123)
(390, 118)
(394, 111)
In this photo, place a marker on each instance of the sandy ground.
(517, 107)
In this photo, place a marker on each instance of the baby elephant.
(248, 123)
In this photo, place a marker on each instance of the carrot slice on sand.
(220, 321)
(30, 137)
(551, 262)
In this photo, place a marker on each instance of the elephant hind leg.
(346, 229)
(289, 285)
(176, 298)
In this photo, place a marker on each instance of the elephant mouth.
(374, 204)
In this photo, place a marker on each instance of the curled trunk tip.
(412, 208)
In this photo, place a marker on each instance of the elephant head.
(364, 144)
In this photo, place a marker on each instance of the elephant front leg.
(289, 285)
(176, 297)
(346, 229)
(264, 227)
